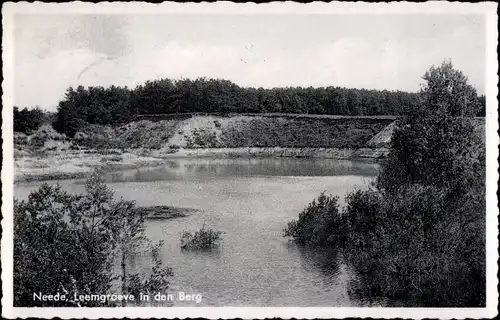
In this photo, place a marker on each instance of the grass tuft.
(201, 239)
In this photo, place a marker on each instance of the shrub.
(52, 255)
(421, 246)
(157, 280)
(72, 244)
(173, 148)
(362, 214)
(201, 138)
(319, 224)
(201, 239)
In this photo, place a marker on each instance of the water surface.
(251, 200)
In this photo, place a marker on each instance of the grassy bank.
(236, 132)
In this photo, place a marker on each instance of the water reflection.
(200, 168)
(210, 253)
(319, 260)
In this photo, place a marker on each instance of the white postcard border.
(436, 7)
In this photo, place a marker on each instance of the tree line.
(114, 105)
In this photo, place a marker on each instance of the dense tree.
(95, 105)
(482, 106)
(27, 120)
(432, 188)
(437, 144)
(417, 236)
(114, 105)
(447, 88)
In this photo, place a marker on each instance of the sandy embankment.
(47, 154)
(324, 153)
(75, 164)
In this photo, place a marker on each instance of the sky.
(55, 52)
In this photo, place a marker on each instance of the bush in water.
(422, 246)
(201, 239)
(318, 224)
(419, 246)
(418, 237)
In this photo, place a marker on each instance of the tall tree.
(447, 89)
(438, 145)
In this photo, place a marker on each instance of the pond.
(251, 201)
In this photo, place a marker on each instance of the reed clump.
(205, 238)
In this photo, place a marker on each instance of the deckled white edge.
(436, 7)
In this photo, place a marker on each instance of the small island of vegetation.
(205, 238)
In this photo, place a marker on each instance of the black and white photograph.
(278, 160)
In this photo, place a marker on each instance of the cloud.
(43, 81)
(116, 51)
